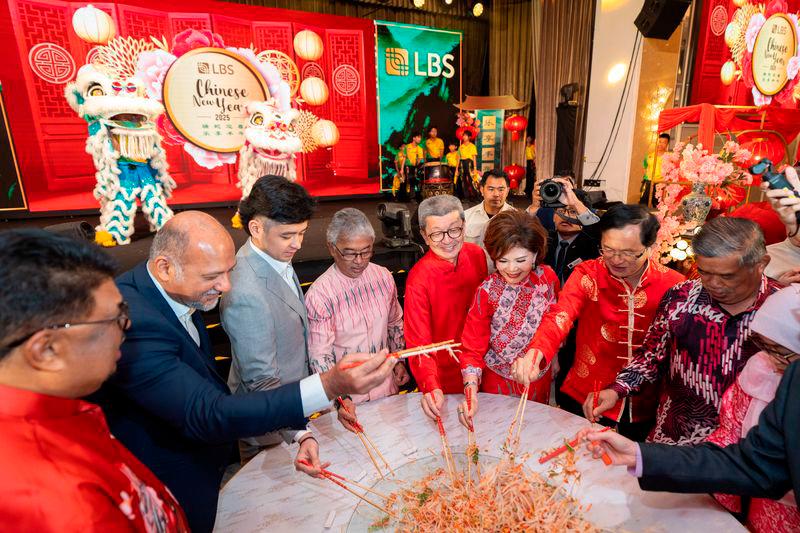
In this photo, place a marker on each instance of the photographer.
(784, 266)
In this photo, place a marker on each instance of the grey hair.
(439, 206)
(724, 236)
(171, 241)
(349, 222)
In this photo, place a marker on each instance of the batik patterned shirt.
(699, 349)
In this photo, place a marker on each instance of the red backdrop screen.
(43, 53)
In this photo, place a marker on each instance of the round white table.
(269, 495)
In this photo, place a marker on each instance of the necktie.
(187, 322)
(560, 258)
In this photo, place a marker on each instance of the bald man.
(167, 403)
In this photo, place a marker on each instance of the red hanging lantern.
(765, 147)
(515, 124)
(473, 132)
(515, 173)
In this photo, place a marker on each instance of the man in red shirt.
(61, 323)
(439, 292)
(616, 298)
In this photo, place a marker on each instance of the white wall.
(614, 36)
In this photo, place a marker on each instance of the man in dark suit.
(765, 464)
(167, 403)
(575, 239)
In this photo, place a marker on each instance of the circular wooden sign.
(776, 44)
(206, 92)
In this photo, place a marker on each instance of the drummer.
(434, 146)
(407, 163)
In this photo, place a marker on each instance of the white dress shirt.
(284, 270)
(312, 393)
(475, 221)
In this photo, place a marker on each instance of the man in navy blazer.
(167, 403)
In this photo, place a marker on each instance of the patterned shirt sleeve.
(646, 363)
(321, 334)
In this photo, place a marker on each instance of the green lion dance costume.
(123, 141)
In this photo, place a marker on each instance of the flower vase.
(696, 204)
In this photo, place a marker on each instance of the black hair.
(622, 215)
(46, 279)
(279, 200)
(433, 128)
(665, 136)
(416, 134)
(495, 173)
(467, 133)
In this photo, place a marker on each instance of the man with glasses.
(264, 313)
(353, 307)
(616, 297)
(62, 320)
(494, 187)
(439, 291)
(699, 340)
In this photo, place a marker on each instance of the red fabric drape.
(713, 119)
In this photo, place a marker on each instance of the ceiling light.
(419, 3)
(477, 9)
(448, 2)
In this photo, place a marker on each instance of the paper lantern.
(325, 133)
(308, 45)
(93, 25)
(765, 148)
(732, 34)
(515, 124)
(728, 72)
(515, 173)
(314, 91)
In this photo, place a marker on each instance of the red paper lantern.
(515, 124)
(765, 147)
(473, 132)
(515, 173)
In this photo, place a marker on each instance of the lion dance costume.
(271, 140)
(123, 141)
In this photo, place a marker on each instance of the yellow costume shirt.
(411, 154)
(435, 147)
(652, 170)
(530, 152)
(467, 151)
(452, 159)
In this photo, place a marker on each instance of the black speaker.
(566, 132)
(658, 19)
(82, 231)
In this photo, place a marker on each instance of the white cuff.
(312, 394)
(300, 435)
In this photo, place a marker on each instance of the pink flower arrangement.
(191, 39)
(687, 163)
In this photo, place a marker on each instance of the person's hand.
(790, 276)
(621, 450)
(607, 399)
(466, 414)
(569, 198)
(525, 369)
(307, 459)
(344, 379)
(347, 415)
(784, 201)
(432, 403)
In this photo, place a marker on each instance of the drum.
(437, 180)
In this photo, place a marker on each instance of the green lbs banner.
(419, 80)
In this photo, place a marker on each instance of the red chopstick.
(558, 451)
(606, 458)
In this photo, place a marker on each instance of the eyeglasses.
(352, 256)
(566, 212)
(453, 233)
(122, 320)
(624, 254)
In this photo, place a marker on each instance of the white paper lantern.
(93, 25)
(325, 133)
(314, 91)
(728, 72)
(308, 45)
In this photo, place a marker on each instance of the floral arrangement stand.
(680, 214)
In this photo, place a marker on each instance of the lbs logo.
(397, 64)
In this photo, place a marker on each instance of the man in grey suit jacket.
(264, 313)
